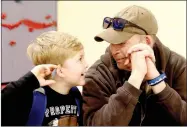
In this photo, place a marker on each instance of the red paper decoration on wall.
(12, 43)
(3, 16)
(48, 17)
(30, 24)
(30, 29)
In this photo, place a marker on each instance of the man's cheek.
(127, 61)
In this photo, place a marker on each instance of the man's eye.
(123, 44)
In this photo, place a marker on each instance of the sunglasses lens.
(106, 22)
(118, 24)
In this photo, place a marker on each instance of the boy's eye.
(81, 58)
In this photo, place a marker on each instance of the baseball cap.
(137, 15)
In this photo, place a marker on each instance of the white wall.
(84, 20)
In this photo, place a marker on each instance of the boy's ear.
(60, 72)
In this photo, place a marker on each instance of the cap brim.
(112, 36)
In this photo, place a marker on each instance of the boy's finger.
(49, 82)
(48, 71)
(51, 66)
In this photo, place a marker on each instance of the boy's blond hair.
(53, 47)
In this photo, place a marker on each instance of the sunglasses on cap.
(119, 24)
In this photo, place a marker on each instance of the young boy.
(50, 51)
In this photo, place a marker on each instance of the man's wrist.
(153, 75)
(136, 79)
(157, 82)
(159, 87)
(157, 79)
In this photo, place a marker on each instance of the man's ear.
(149, 40)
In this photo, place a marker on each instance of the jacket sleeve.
(174, 98)
(16, 100)
(103, 103)
(25, 84)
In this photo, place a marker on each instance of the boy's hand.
(43, 70)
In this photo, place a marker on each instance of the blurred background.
(82, 19)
